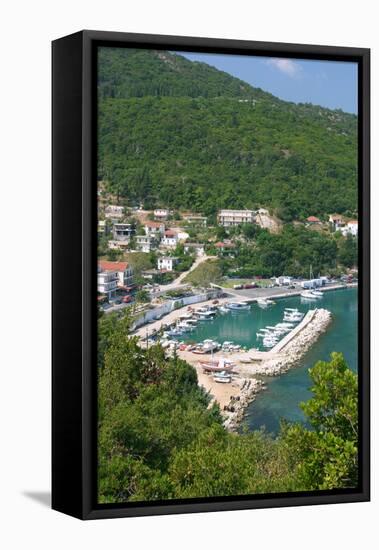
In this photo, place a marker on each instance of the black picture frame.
(74, 272)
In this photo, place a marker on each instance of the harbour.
(251, 345)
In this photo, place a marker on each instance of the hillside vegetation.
(183, 134)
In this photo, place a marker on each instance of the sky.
(330, 84)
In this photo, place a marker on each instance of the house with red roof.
(156, 229)
(312, 220)
(122, 270)
(170, 239)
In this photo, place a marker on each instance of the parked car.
(127, 299)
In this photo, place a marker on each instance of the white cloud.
(286, 66)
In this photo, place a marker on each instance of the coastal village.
(166, 304)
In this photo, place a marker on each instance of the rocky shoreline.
(274, 364)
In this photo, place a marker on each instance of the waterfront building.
(283, 280)
(107, 282)
(167, 263)
(230, 218)
(123, 271)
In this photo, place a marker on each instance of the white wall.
(27, 28)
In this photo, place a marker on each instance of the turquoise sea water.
(285, 392)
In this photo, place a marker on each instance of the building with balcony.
(123, 271)
(107, 283)
(154, 228)
(122, 231)
(231, 218)
(169, 239)
(146, 243)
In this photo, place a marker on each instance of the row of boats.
(271, 335)
(188, 321)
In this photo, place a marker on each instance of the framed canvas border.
(74, 319)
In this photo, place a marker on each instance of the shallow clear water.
(285, 392)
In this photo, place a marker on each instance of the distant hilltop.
(186, 135)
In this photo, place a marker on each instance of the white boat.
(210, 345)
(265, 302)
(235, 306)
(318, 293)
(292, 309)
(223, 309)
(183, 325)
(186, 316)
(308, 295)
(205, 315)
(222, 377)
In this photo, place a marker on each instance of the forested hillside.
(183, 134)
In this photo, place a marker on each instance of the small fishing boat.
(318, 293)
(216, 366)
(308, 295)
(222, 377)
(236, 306)
(210, 345)
(265, 302)
(223, 309)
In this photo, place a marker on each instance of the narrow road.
(178, 281)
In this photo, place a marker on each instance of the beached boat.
(222, 377)
(216, 366)
(210, 345)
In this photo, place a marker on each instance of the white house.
(146, 243)
(350, 228)
(107, 282)
(123, 271)
(161, 214)
(154, 228)
(230, 218)
(167, 263)
(114, 211)
(182, 236)
(169, 239)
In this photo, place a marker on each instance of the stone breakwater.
(275, 362)
(233, 412)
